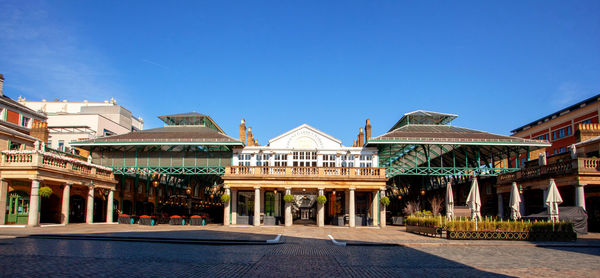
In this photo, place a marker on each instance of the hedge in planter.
(147, 220)
(510, 230)
(176, 220)
(425, 225)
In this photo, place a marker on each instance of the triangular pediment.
(305, 137)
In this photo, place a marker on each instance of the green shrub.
(321, 199)
(288, 198)
(45, 192)
(225, 198)
(385, 201)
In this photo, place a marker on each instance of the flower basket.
(147, 220)
(125, 219)
(176, 220)
(197, 220)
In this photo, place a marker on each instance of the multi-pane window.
(589, 121)
(244, 159)
(305, 159)
(329, 160)
(366, 161)
(280, 160)
(61, 145)
(348, 160)
(25, 121)
(557, 134)
(13, 146)
(262, 159)
(543, 137)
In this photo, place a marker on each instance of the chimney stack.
(243, 132)
(40, 131)
(361, 138)
(1, 84)
(368, 131)
(250, 137)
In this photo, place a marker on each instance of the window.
(348, 160)
(25, 121)
(584, 122)
(14, 146)
(107, 132)
(366, 161)
(543, 137)
(329, 160)
(61, 145)
(305, 159)
(244, 159)
(281, 160)
(562, 150)
(262, 159)
(566, 131)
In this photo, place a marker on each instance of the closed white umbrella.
(553, 199)
(449, 202)
(474, 201)
(515, 202)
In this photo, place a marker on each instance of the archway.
(50, 209)
(77, 207)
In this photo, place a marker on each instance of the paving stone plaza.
(302, 251)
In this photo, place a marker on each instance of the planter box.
(428, 231)
(552, 236)
(245, 220)
(269, 220)
(148, 221)
(127, 219)
(487, 235)
(361, 221)
(177, 221)
(398, 220)
(338, 221)
(197, 221)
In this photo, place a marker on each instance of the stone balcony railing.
(300, 172)
(51, 161)
(572, 166)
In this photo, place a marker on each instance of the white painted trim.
(13, 226)
(276, 240)
(335, 242)
(309, 127)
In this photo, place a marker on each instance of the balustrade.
(579, 165)
(51, 160)
(304, 171)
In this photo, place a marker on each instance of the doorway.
(18, 208)
(77, 209)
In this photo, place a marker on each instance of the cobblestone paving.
(305, 252)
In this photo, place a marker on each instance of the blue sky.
(330, 64)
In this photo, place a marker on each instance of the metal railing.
(566, 167)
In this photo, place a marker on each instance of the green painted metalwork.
(188, 170)
(447, 171)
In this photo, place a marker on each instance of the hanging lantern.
(399, 197)
(188, 190)
(155, 183)
(423, 192)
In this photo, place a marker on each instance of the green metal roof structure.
(189, 144)
(423, 143)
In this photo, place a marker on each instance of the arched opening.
(50, 209)
(77, 207)
(99, 210)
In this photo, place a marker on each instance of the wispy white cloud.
(50, 59)
(569, 93)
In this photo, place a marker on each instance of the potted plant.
(147, 220)
(321, 199)
(176, 220)
(225, 198)
(45, 192)
(125, 219)
(197, 220)
(288, 198)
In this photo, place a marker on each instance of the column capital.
(352, 188)
(581, 184)
(288, 188)
(321, 188)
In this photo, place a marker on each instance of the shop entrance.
(18, 208)
(304, 208)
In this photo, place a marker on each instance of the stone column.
(89, 218)
(34, 204)
(288, 209)
(109, 206)
(382, 214)
(374, 207)
(320, 211)
(227, 209)
(352, 220)
(580, 196)
(3, 197)
(66, 198)
(233, 206)
(500, 206)
(257, 202)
